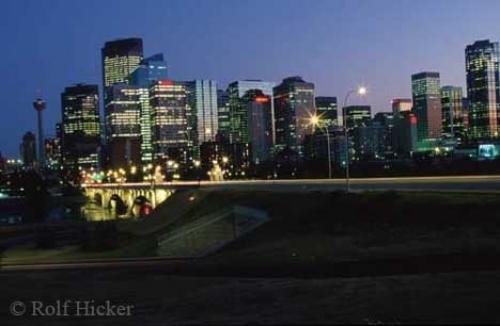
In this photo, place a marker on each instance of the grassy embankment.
(317, 228)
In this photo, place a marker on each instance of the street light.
(361, 91)
(316, 121)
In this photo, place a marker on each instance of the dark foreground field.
(160, 299)
(323, 258)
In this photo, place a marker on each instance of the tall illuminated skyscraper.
(223, 115)
(293, 107)
(258, 124)
(202, 100)
(453, 113)
(326, 108)
(119, 59)
(28, 150)
(123, 125)
(169, 108)
(149, 71)
(426, 93)
(237, 110)
(81, 130)
(483, 89)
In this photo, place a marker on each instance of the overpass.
(102, 193)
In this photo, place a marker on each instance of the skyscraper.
(80, 127)
(481, 65)
(150, 70)
(427, 105)
(326, 108)
(28, 150)
(293, 107)
(453, 113)
(223, 116)
(401, 105)
(123, 125)
(357, 116)
(404, 135)
(237, 111)
(258, 124)
(202, 100)
(119, 59)
(168, 100)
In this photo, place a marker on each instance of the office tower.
(39, 105)
(123, 125)
(481, 65)
(119, 59)
(357, 116)
(150, 70)
(81, 130)
(385, 146)
(237, 112)
(427, 105)
(53, 153)
(258, 124)
(28, 150)
(168, 100)
(203, 118)
(404, 135)
(401, 105)
(293, 108)
(223, 116)
(453, 113)
(326, 109)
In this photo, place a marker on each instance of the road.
(490, 183)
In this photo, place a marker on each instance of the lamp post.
(361, 91)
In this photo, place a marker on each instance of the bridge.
(103, 194)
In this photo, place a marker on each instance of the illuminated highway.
(490, 183)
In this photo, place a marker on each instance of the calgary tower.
(39, 105)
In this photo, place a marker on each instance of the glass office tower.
(81, 132)
(426, 93)
(123, 125)
(169, 112)
(293, 107)
(258, 124)
(237, 111)
(453, 112)
(119, 59)
(150, 70)
(481, 65)
(326, 109)
(202, 99)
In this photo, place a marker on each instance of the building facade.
(237, 110)
(123, 125)
(169, 114)
(426, 92)
(453, 112)
(28, 150)
(481, 65)
(149, 71)
(259, 124)
(223, 116)
(119, 59)
(327, 110)
(202, 100)
(81, 128)
(293, 107)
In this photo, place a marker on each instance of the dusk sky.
(51, 44)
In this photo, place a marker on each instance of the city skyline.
(69, 54)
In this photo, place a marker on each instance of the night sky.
(50, 44)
